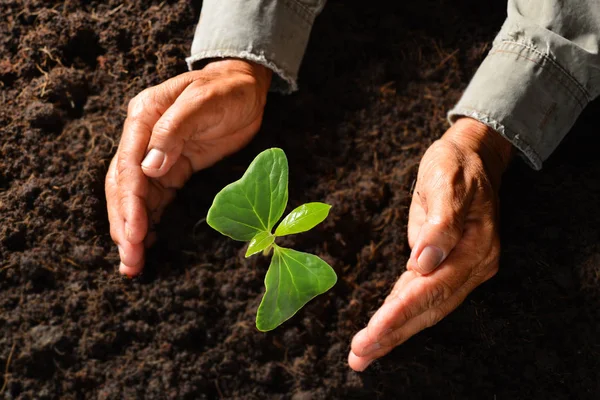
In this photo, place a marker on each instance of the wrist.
(492, 148)
(259, 72)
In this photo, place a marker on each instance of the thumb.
(441, 231)
(195, 111)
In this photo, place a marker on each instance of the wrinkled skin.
(173, 130)
(453, 234)
(195, 119)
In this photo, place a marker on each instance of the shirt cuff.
(526, 96)
(273, 33)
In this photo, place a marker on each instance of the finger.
(130, 253)
(126, 186)
(357, 363)
(131, 270)
(157, 200)
(114, 217)
(178, 175)
(128, 199)
(394, 338)
(132, 207)
(400, 335)
(414, 295)
(132, 258)
(416, 218)
(446, 199)
(200, 109)
(159, 203)
(208, 110)
(143, 112)
(208, 152)
(162, 191)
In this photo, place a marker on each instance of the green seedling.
(247, 210)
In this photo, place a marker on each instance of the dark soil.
(375, 87)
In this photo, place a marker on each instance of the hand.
(452, 230)
(172, 130)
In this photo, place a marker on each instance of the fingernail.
(154, 159)
(370, 349)
(121, 252)
(365, 366)
(430, 258)
(128, 231)
(122, 269)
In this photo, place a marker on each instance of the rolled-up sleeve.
(273, 33)
(542, 71)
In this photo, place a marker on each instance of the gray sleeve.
(273, 33)
(543, 69)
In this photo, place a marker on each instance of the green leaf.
(254, 203)
(303, 218)
(293, 279)
(261, 241)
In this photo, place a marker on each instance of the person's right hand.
(172, 130)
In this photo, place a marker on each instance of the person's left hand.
(453, 233)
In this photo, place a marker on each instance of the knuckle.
(393, 339)
(437, 295)
(439, 176)
(405, 314)
(402, 311)
(135, 107)
(132, 104)
(443, 149)
(172, 131)
(122, 169)
(434, 177)
(122, 202)
(438, 145)
(434, 316)
(448, 222)
(126, 177)
(393, 294)
(164, 129)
